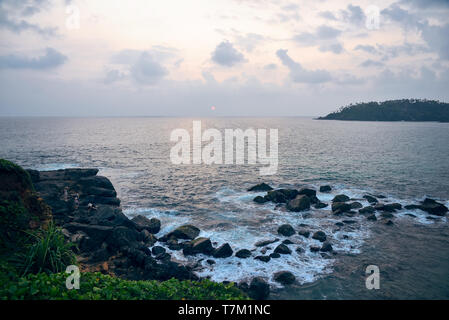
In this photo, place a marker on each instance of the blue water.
(403, 161)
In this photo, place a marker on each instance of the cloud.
(325, 37)
(147, 70)
(327, 15)
(226, 55)
(270, 66)
(367, 48)
(298, 73)
(50, 60)
(113, 76)
(371, 63)
(423, 4)
(354, 15)
(249, 41)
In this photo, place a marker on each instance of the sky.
(218, 58)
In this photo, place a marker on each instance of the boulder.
(158, 250)
(314, 249)
(325, 189)
(287, 241)
(281, 195)
(372, 217)
(123, 236)
(389, 207)
(356, 205)
(433, 207)
(223, 251)
(370, 199)
(340, 207)
(275, 255)
(286, 230)
(340, 198)
(187, 232)
(261, 187)
(300, 203)
(264, 243)
(243, 254)
(320, 236)
(308, 192)
(368, 209)
(387, 215)
(153, 225)
(320, 205)
(327, 247)
(260, 199)
(258, 289)
(304, 233)
(284, 277)
(263, 258)
(199, 245)
(282, 249)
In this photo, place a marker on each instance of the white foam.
(55, 166)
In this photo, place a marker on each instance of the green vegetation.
(393, 110)
(12, 168)
(96, 286)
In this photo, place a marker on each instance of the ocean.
(403, 161)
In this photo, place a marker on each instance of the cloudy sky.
(244, 57)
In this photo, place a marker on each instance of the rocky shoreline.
(86, 207)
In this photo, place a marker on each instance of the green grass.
(11, 167)
(96, 286)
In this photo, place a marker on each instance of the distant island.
(393, 110)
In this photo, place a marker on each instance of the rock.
(287, 241)
(340, 198)
(321, 205)
(389, 223)
(282, 249)
(340, 207)
(158, 250)
(187, 232)
(284, 277)
(304, 233)
(368, 209)
(199, 245)
(325, 189)
(275, 255)
(153, 225)
(243, 254)
(308, 192)
(281, 195)
(339, 224)
(327, 247)
(320, 236)
(380, 196)
(286, 230)
(123, 236)
(260, 199)
(356, 205)
(387, 215)
(263, 258)
(314, 200)
(258, 289)
(300, 203)
(223, 251)
(389, 207)
(314, 248)
(372, 217)
(299, 250)
(370, 199)
(261, 187)
(210, 261)
(433, 207)
(264, 243)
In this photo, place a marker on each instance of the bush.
(96, 286)
(48, 252)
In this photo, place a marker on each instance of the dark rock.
(153, 225)
(210, 261)
(349, 221)
(284, 277)
(281, 195)
(287, 241)
(158, 250)
(387, 215)
(300, 203)
(340, 207)
(223, 251)
(325, 189)
(260, 199)
(243, 254)
(321, 205)
(339, 224)
(368, 209)
(261, 187)
(314, 200)
(356, 205)
(286, 230)
(263, 258)
(123, 236)
(299, 250)
(389, 207)
(370, 199)
(389, 223)
(199, 245)
(308, 192)
(372, 217)
(282, 249)
(264, 243)
(315, 249)
(320, 236)
(275, 255)
(188, 232)
(304, 233)
(340, 198)
(327, 247)
(258, 289)
(433, 207)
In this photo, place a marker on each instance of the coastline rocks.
(158, 250)
(307, 192)
(356, 205)
(224, 251)
(284, 277)
(325, 189)
(389, 207)
(286, 230)
(263, 258)
(340, 198)
(264, 243)
(304, 233)
(314, 248)
(340, 207)
(320, 205)
(258, 289)
(260, 199)
(370, 199)
(327, 247)
(186, 232)
(199, 245)
(300, 203)
(281, 195)
(320, 236)
(282, 249)
(372, 217)
(152, 225)
(243, 254)
(261, 187)
(368, 209)
(430, 206)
